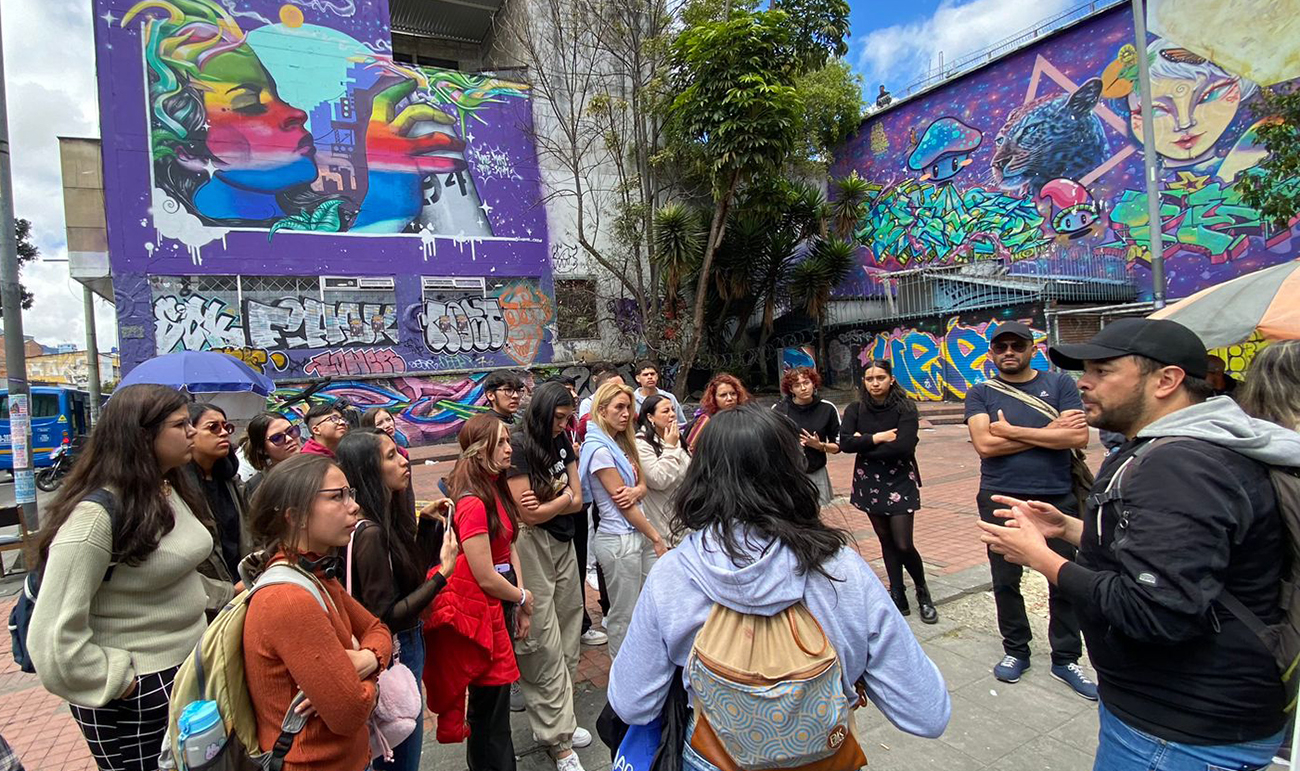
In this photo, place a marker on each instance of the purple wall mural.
(1038, 157)
(279, 188)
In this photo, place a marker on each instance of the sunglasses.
(290, 434)
(1019, 346)
(340, 494)
(220, 428)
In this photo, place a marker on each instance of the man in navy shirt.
(1026, 454)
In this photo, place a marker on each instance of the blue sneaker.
(1010, 669)
(1073, 676)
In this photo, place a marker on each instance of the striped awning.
(1266, 301)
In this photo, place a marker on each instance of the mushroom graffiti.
(944, 149)
(1076, 211)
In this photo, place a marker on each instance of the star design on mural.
(210, 168)
(108, 18)
(469, 136)
(486, 207)
(1189, 182)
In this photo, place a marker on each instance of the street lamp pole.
(1150, 159)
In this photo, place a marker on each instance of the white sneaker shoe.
(581, 738)
(516, 698)
(592, 581)
(570, 763)
(594, 636)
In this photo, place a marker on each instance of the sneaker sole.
(1085, 697)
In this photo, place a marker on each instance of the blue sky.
(892, 42)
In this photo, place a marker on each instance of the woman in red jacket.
(484, 601)
(304, 511)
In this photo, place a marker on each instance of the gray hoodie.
(869, 635)
(1221, 421)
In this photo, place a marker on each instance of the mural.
(70, 368)
(1044, 149)
(935, 358)
(279, 188)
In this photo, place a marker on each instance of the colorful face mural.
(1063, 172)
(279, 188)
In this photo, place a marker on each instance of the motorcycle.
(50, 477)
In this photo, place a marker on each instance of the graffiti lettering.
(293, 322)
(257, 358)
(1210, 220)
(426, 409)
(474, 324)
(376, 361)
(527, 312)
(194, 324)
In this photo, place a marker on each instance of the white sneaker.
(594, 636)
(592, 581)
(570, 763)
(516, 698)
(581, 738)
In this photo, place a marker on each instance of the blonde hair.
(1272, 388)
(625, 439)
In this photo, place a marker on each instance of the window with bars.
(576, 308)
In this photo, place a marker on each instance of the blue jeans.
(1122, 747)
(406, 756)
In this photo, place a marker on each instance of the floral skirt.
(886, 487)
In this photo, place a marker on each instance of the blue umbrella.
(200, 372)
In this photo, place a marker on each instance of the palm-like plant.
(811, 282)
(679, 245)
(850, 204)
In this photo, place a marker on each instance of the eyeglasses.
(1019, 346)
(340, 494)
(220, 428)
(508, 391)
(292, 433)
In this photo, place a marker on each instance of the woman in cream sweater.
(124, 603)
(664, 460)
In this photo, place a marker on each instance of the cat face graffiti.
(1050, 138)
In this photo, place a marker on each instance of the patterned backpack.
(769, 694)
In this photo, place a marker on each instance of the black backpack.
(1283, 638)
(20, 617)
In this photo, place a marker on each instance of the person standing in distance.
(647, 380)
(1025, 454)
(503, 390)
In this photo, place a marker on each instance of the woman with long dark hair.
(215, 470)
(381, 419)
(759, 546)
(817, 420)
(543, 480)
(664, 461)
(724, 392)
(881, 427)
(485, 600)
(123, 602)
(269, 439)
(389, 556)
(331, 649)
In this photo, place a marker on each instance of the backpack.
(1281, 639)
(769, 694)
(215, 671)
(20, 616)
(1081, 476)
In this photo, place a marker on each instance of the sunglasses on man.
(1002, 346)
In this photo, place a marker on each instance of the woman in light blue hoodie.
(759, 547)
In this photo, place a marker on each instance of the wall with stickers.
(1042, 150)
(279, 188)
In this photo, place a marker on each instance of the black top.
(226, 508)
(563, 527)
(818, 418)
(1196, 519)
(395, 595)
(1037, 470)
(886, 479)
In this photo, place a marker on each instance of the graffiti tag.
(527, 311)
(293, 322)
(194, 324)
(375, 361)
(474, 324)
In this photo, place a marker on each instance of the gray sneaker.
(516, 698)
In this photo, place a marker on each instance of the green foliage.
(850, 203)
(1273, 186)
(679, 244)
(828, 263)
(324, 217)
(832, 98)
(27, 252)
(819, 29)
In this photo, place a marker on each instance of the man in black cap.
(1181, 551)
(1024, 424)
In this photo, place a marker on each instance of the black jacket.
(1196, 519)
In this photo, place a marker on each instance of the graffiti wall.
(1043, 150)
(71, 368)
(933, 359)
(279, 188)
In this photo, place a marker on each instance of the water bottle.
(202, 733)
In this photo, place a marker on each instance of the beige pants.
(548, 657)
(626, 561)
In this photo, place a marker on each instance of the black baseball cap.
(1010, 328)
(1162, 340)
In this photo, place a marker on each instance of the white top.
(611, 519)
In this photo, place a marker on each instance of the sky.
(51, 93)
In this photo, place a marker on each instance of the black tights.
(896, 546)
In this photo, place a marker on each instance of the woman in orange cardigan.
(303, 511)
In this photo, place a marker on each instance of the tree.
(828, 263)
(851, 194)
(27, 252)
(820, 27)
(1273, 186)
(832, 98)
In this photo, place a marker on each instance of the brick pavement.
(40, 728)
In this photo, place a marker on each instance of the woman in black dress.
(881, 428)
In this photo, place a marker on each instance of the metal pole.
(1150, 159)
(92, 354)
(15, 356)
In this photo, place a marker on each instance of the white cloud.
(900, 55)
(50, 73)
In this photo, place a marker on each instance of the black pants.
(490, 746)
(1013, 622)
(580, 551)
(126, 734)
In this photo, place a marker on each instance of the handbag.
(1081, 476)
(397, 700)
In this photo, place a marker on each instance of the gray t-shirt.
(611, 519)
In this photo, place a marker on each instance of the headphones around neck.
(329, 566)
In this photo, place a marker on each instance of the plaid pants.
(127, 734)
(8, 758)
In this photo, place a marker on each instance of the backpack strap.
(105, 499)
(1015, 393)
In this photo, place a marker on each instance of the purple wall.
(1034, 159)
(276, 187)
